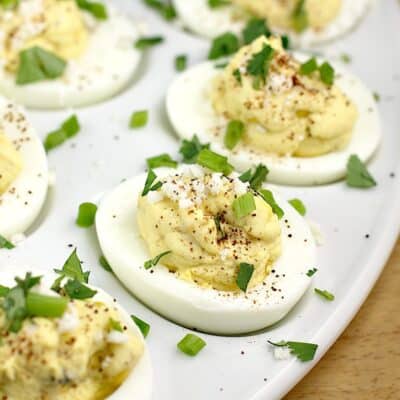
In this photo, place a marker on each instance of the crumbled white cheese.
(224, 254)
(184, 202)
(240, 187)
(216, 183)
(69, 321)
(117, 337)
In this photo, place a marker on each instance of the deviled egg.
(23, 171)
(205, 249)
(58, 54)
(305, 21)
(300, 116)
(79, 344)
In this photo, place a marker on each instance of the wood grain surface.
(365, 362)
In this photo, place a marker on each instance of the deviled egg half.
(304, 21)
(206, 250)
(79, 344)
(23, 171)
(68, 53)
(300, 116)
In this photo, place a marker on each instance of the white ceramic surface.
(106, 151)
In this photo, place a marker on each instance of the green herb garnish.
(345, 58)
(180, 62)
(238, 75)
(256, 178)
(358, 175)
(190, 149)
(163, 160)
(139, 119)
(5, 244)
(98, 10)
(37, 64)
(244, 275)
(244, 205)
(191, 344)
(39, 305)
(268, 197)
(148, 186)
(9, 4)
(303, 351)
(69, 128)
(154, 261)
(147, 42)
(86, 215)
(325, 294)
(218, 3)
(309, 66)
(233, 134)
(221, 235)
(311, 272)
(258, 65)
(255, 28)
(377, 97)
(74, 289)
(142, 325)
(214, 161)
(165, 9)
(299, 206)
(300, 17)
(327, 73)
(223, 45)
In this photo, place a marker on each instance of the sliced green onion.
(37, 64)
(139, 119)
(86, 215)
(244, 205)
(325, 294)
(233, 134)
(327, 73)
(39, 305)
(268, 197)
(115, 325)
(146, 42)
(299, 206)
(5, 244)
(214, 161)
(191, 148)
(142, 325)
(300, 17)
(166, 10)
(148, 185)
(257, 178)
(154, 261)
(309, 66)
(163, 160)
(69, 128)
(285, 42)
(244, 275)
(311, 272)
(181, 62)
(191, 344)
(218, 3)
(98, 10)
(223, 45)
(4, 290)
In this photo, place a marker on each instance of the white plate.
(105, 152)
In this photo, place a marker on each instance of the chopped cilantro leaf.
(303, 351)
(223, 45)
(255, 28)
(357, 174)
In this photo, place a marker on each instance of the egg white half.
(207, 310)
(199, 18)
(139, 382)
(106, 67)
(191, 112)
(22, 202)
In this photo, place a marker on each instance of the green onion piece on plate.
(86, 215)
(191, 344)
(142, 325)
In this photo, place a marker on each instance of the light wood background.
(364, 363)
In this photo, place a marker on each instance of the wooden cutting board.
(365, 362)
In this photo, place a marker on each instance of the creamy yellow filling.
(10, 163)
(200, 252)
(56, 26)
(43, 362)
(292, 114)
(279, 12)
